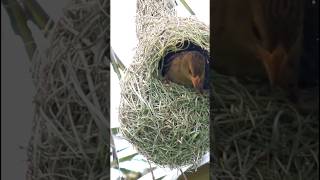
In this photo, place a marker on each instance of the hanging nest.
(167, 123)
(70, 138)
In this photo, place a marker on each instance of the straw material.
(261, 135)
(70, 137)
(168, 123)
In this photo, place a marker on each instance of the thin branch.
(38, 16)
(114, 152)
(151, 170)
(117, 64)
(18, 21)
(184, 176)
(185, 4)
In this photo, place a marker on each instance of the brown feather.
(188, 69)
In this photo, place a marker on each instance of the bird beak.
(272, 62)
(196, 81)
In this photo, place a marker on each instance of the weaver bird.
(259, 38)
(187, 68)
(279, 30)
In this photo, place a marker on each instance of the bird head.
(196, 65)
(281, 70)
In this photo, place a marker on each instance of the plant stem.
(117, 64)
(185, 4)
(18, 21)
(38, 16)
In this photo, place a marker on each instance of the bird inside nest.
(187, 68)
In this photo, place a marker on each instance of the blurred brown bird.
(281, 67)
(266, 44)
(188, 69)
(280, 30)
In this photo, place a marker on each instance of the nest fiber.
(262, 135)
(70, 138)
(167, 123)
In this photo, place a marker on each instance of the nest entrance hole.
(186, 45)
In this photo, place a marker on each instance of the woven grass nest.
(70, 138)
(167, 123)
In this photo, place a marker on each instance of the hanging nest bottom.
(167, 123)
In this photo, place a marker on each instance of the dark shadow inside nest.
(186, 45)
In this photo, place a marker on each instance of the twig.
(184, 176)
(151, 170)
(114, 154)
(185, 4)
(117, 64)
(38, 16)
(19, 20)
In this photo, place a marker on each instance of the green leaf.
(127, 158)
